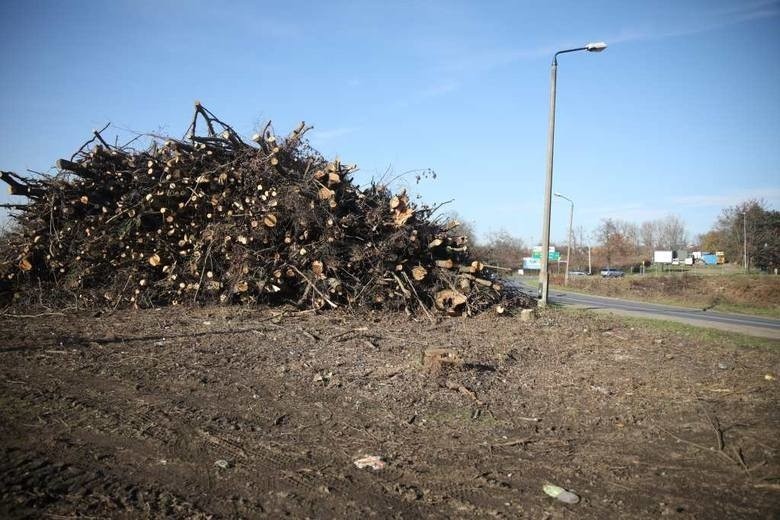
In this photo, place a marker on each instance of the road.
(742, 323)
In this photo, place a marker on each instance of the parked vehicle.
(612, 273)
(578, 273)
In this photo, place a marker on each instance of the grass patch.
(692, 332)
(757, 295)
(735, 308)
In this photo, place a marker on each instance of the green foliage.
(748, 227)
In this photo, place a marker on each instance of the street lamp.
(544, 276)
(568, 247)
(744, 239)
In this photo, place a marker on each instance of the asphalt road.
(746, 324)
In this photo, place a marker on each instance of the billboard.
(663, 257)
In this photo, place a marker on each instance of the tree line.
(747, 232)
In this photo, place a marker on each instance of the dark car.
(612, 273)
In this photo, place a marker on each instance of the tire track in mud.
(136, 422)
(32, 484)
(96, 412)
(114, 428)
(116, 413)
(461, 493)
(112, 406)
(316, 486)
(423, 492)
(458, 492)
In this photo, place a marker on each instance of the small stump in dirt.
(435, 359)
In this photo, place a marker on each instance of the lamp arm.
(555, 57)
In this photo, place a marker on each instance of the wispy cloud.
(483, 61)
(770, 195)
(715, 19)
(679, 205)
(437, 90)
(243, 19)
(426, 93)
(633, 212)
(711, 21)
(748, 8)
(334, 133)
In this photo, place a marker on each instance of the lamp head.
(595, 46)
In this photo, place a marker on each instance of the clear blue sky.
(681, 114)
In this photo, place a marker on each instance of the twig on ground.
(342, 334)
(515, 442)
(700, 446)
(32, 315)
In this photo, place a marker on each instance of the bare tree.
(619, 240)
(607, 235)
(630, 233)
(672, 233)
(648, 235)
(503, 249)
(461, 227)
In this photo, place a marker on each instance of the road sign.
(531, 263)
(553, 256)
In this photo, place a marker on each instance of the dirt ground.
(226, 413)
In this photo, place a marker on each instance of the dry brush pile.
(213, 218)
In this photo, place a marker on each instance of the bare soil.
(755, 294)
(226, 412)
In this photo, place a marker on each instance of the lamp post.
(544, 276)
(590, 269)
(744, 239)
(568, 246)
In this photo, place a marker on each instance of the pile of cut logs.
(216, 218)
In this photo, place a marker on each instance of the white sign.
(662, 257)
(532, 263)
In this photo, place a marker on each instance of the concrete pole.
(744, 239)
(571, 235)
(568, 247)
(590, 269)
(544, 275)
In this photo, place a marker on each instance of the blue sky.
(680, 115)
